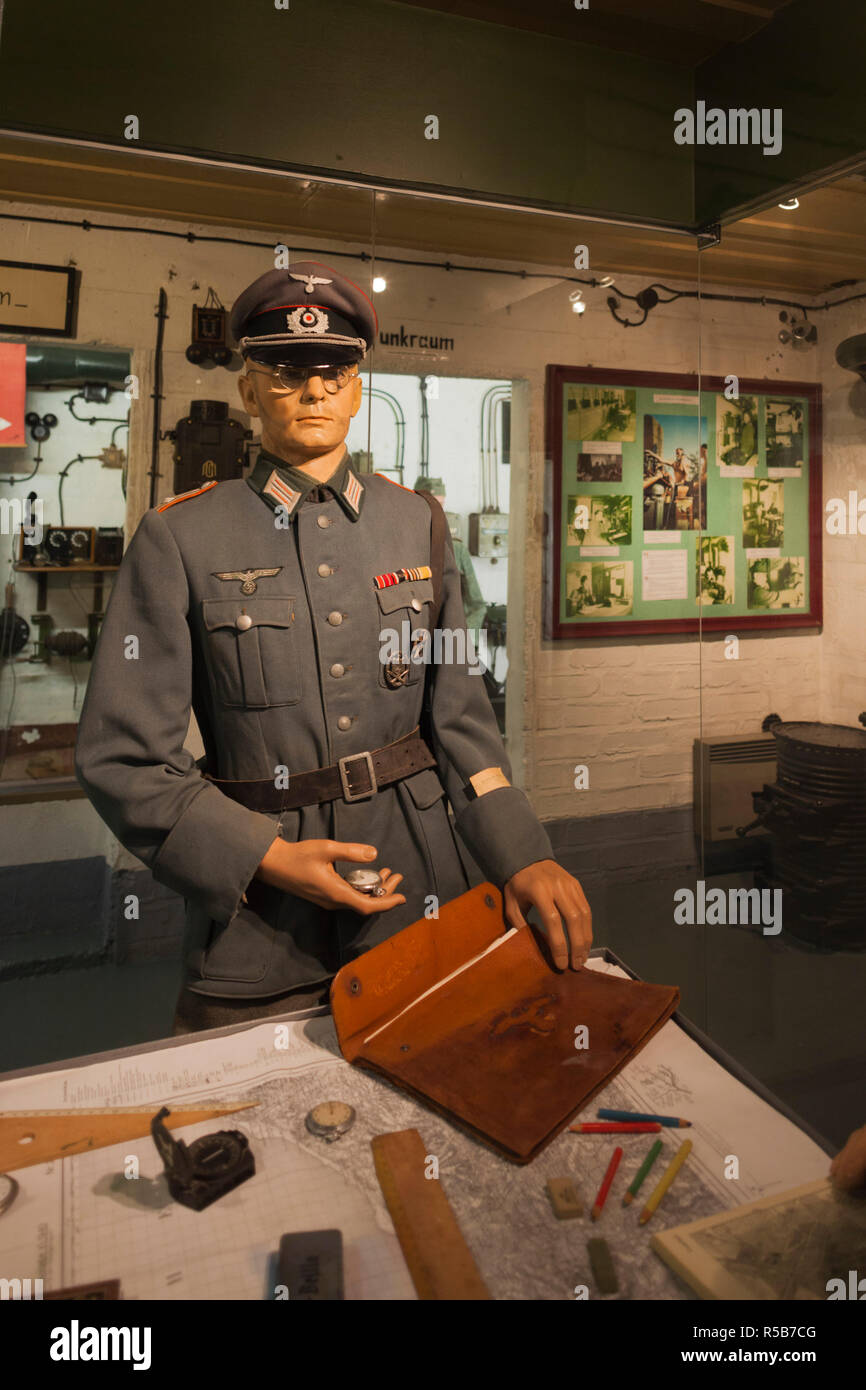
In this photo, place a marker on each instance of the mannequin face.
(299, 426)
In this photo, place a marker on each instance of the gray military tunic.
(300, 685)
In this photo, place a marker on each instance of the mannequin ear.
(357, 393)
(247, 393)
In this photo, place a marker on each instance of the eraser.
(564, 1198)
(601, 1260)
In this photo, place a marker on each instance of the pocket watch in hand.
(366, 881)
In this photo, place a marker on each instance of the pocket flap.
(264, 612)
(401, 595)
(425, 788)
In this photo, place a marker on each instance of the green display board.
(671, 508)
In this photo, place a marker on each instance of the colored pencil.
(600, 1200)
(672, 1121)
(642, 1172)
(673, 1168)
(616, 1127)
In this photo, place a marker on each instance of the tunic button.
(335, 619)
(324, 571)
(416, 605)
(244, 621)
(337, 669)
(344, 722)
(323, 521)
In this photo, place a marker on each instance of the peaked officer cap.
(309, 314)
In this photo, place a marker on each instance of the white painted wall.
(628, 708)
(92, 496)
(454, 446)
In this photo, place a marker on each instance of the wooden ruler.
(40, 1136)
(439, 1260)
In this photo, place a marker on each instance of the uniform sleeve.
(500, 828)
(129, 755)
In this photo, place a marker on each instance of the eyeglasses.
(292, 378)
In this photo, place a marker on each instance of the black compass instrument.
(206, 1169)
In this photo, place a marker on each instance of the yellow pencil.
(665, 1181)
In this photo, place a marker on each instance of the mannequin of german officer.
(261, 604)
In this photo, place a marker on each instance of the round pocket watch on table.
(330, 1120)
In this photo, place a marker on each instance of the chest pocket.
(404, 609)
(253, 663)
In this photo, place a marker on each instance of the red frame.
(557, 378)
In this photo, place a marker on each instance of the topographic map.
(81, 1218)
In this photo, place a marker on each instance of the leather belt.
(354, 778)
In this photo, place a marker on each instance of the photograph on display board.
(674, 473)
(736, 434)
(785, 436)
(763, 514)
(609, 578)
(596, 466)
(601, 413)
(598, 587)
(603, 519)
(777, 584)
(714, 570)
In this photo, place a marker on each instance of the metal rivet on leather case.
(404, 1047)
(488, 901)
(355, 986)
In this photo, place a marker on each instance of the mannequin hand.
(306, 869)
(848, 1169)
(566, 919)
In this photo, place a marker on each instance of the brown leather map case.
(470, 1018)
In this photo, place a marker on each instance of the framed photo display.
(674, 510)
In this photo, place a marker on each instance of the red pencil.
(605, 1187)
(616, 1127)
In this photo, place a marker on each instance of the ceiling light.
(379, 284)
(577, 302)
(791, 205)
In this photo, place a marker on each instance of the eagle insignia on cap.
(308, 320)
(311, 280)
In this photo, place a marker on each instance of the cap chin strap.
(269, 340)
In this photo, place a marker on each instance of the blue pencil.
(672, 1121)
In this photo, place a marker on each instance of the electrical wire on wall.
(61, 479)
(161, 315)
(649, 295)
(119, 420)
(24, 477)
(493, 396)
(399, 425)
(424, 446)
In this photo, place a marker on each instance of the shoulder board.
(396, 484)
(183, 496)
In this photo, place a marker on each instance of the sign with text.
(37, 299)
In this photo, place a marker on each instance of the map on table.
(81, 1219)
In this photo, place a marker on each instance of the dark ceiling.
(679, 31)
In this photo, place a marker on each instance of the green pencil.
(642, 1172)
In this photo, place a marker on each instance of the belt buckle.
(349, 795)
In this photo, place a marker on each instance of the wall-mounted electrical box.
(488, 535)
